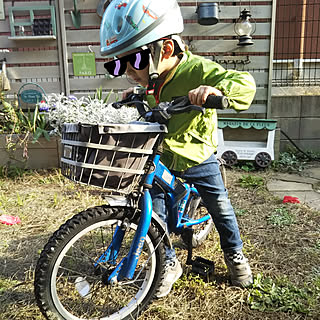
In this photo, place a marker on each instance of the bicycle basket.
(110, 156)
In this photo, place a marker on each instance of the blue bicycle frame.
(178, 193)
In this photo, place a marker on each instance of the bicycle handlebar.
(163, 111)
(180, 104)
(216, 102)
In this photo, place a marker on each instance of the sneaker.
(172, 273)
(239, 269)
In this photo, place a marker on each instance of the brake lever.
(119, 104)
(132, 99)
(198, 108)
(179, 108)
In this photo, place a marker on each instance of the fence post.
(272, 36)
(62, 48)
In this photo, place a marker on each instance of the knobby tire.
(70, 255)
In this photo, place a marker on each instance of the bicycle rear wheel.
(69, 284)
(200, 231)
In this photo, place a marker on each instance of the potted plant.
(31, 140)
(62, 109)
(24, 138)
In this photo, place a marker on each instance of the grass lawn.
(282, 242)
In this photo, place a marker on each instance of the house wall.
(28, 60)
(299, 118)
(298, 23)
(49, 63)
(296, 94)
(297, 47)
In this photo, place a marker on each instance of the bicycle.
(107, 262)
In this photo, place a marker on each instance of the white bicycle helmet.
(130, 24)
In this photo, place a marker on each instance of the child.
(143, 36)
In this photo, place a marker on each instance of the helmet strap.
(179, 42)
(153, 67)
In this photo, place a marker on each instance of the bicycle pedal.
(203, 267)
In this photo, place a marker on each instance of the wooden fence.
(297, 43)
(49, 62)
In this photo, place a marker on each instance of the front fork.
(127, 266)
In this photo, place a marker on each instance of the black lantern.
(244, 28)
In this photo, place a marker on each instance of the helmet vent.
(120, 24)
(131, 24)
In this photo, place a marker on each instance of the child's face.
(166, 62)
(139, 76)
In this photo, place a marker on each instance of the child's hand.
(127, 92)
(199, 95)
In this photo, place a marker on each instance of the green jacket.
(192, 137)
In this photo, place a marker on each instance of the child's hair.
(177, 46)
(177, 50)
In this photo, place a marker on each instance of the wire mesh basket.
(110, 156)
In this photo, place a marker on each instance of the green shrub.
(277, 295)
(14, 121)
(281, 217)
(251, 181)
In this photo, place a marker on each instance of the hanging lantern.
(244, 28)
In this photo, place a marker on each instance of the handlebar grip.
(216, 102)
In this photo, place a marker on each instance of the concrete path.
(304, 186)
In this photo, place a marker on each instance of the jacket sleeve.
(238, 86)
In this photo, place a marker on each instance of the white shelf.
(46, 37)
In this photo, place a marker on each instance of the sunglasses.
(138, 60)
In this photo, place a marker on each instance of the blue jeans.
(206, 177)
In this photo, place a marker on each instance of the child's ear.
(167, 49)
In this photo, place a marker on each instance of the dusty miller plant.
(62, 109)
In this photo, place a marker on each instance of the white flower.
(69, 109)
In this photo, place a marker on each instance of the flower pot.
(42, 154)
(207, 13)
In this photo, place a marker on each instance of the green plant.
(7, 284)
(12, 172)
(251, 181)
(240, 212)
(277, 295)
(317, 244)
(19, 126)
(281, 217)
(14, 121)
(63, 109)
(246, 166)
(4, 201)
(313, 155)
(98, 95)
(193, 284)
(293, 161)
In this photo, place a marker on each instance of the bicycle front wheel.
(70, 284)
